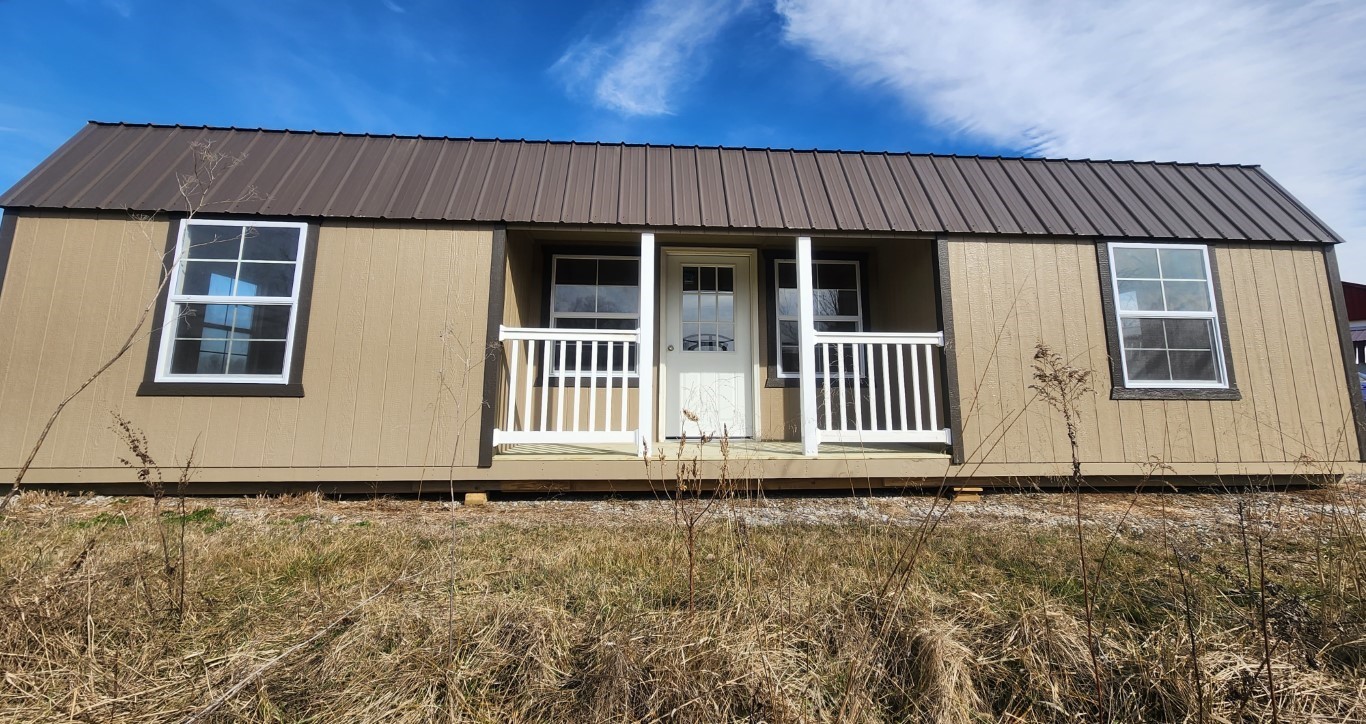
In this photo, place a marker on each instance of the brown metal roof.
(303, 173)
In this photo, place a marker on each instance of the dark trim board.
(9, 225)
(1107, 302)
(551, 485)
(295, 388)
(948, 372)
(1330, 259)
(493, 348)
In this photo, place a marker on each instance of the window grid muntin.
(175, 300)
(630, 362)
(718, 323)
(779, 318)
(1212, 315)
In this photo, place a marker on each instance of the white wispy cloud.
(641, 67)
(1278, 83)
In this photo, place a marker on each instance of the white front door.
(705, 344)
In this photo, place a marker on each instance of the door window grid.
(708, 308)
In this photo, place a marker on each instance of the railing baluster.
(546, 347)
(510, 422)
(530, 385)
(607, 394)
(844, 403)
(559, 395)
(929, 385)
(593, 387)
(915, 388)
(858, 387)
(901, 384)
(578, 374)
(871, 360)
(825, 355)
(886, 389)
(625, 369)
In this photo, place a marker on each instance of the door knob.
(671, 348)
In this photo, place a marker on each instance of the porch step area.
(739, 450)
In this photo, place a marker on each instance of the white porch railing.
(569, 386)
(879, 387)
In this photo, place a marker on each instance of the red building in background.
(1355, 295)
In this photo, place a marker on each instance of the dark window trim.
(768, 305)
(295, 387)
(1118, 390)
(551, 250)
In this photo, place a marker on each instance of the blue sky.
(1277, 83)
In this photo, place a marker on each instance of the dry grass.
(555, 620)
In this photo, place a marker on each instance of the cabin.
(348, 312)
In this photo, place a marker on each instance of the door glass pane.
(708, 283)
(725, 279)
(708, 311)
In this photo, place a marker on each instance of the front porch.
(611, 350)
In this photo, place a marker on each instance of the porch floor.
(739, 450)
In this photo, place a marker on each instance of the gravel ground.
(1136, 515)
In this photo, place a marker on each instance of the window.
(836, 286)
(708, 308)
(1167, 316)
(596, 292)
(233, 303)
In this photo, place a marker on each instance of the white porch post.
(806, 325)
(645, 353)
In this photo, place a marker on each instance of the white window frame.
(554, 275)
(175, 299)
(1212, 315)
(778, 319)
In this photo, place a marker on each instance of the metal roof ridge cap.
(496, 139)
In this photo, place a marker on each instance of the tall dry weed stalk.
(1063, 386)
(174, 557)
(694, 501)
(196, 190)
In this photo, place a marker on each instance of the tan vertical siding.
(1010, 294)
(392, 369)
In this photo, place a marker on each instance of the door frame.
(661, 299)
